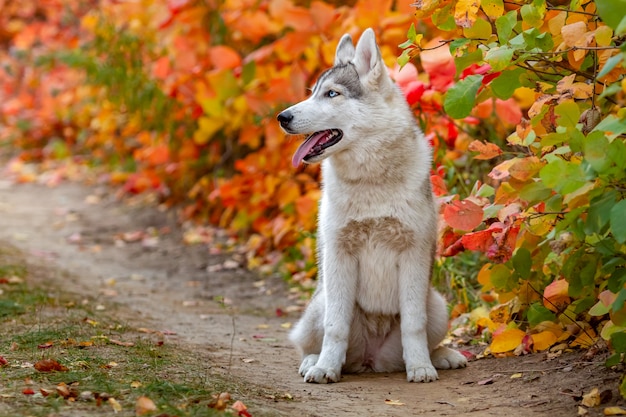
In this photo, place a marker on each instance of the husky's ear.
(345, 50)
(367, 55)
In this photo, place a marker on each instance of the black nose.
(284, 118)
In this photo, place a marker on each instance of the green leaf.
(533, 14)
(499, 57)
(522, 262)
(611, 12)
(457, 44)
(481, 29)
(569, 113)
(612, 125)
(613, 360)
(444, 18)
(538, 313)
(535, 192)
(411, 33)
(465, 60)
(404, 58)
(617, 154)
(618, 221)
(563, 176)
(596, 149)
(611, 63)
(505, 25)
(599, 212)
(501, 277)
(506, 83)
(461, 97)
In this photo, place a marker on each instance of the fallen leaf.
(393, 402)
(120, 343)
(116, 406)
(46, 345)
(49, 365)
(615, 411)
(517, 375)
(63, 390)
(135, 384)
(507, 340)
(487, 381)
(592, 398)
(3, 362)
(220, 401)
(144, 405)
(28, 391)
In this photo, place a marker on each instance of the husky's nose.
(284, 118)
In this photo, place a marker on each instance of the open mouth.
(315, 144)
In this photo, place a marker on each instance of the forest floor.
(131, 259)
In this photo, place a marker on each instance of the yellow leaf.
(543, 340)
(615, 411)
(287, 193)
(207, 127)
(603, 35)
(585, 339)
(493, 8)
(592, 398)
(507, 340)
(465, 12)
(114, 405)
(518, 375)
(484, 277)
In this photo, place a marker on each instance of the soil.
(79, 231)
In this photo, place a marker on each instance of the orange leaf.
(507, 340)
(224, 57)
(439, 185)
(556, 295)
(485, 150)
(144, 405)
(463, 215)
(525, 168)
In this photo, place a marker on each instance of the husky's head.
(336, 113)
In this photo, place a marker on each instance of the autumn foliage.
(522, 101)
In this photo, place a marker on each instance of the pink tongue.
(306, 147)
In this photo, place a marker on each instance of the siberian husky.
(374, 308)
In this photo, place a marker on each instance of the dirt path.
(80, 230)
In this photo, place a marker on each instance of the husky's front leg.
(340, 275)
(414, 281)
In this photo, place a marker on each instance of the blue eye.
(332, 93)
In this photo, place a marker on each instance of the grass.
(110, 363)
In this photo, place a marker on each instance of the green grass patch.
(106, 364)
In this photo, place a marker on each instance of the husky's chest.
(377, 244)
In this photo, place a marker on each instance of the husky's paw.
(424, 373)
(307, 363)
(446, 358)
(320, 375)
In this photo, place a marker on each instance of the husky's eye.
(332, 93)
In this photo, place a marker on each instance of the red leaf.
(439, 185)
(463, 215)
(28, 391)
(3, 361)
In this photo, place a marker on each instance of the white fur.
(374, 308)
